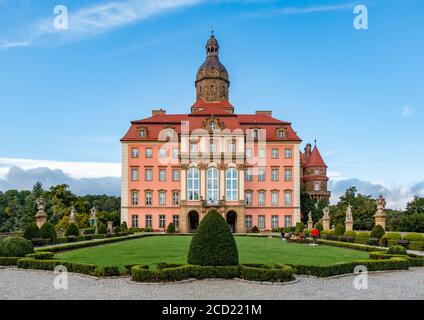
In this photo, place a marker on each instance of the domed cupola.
(212, 81)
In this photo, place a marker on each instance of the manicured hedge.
(41, 255)
(418, 237)
(355, 246)
(346, 268)
(28, 263)
(281, 274)
(414, 261)
(108, 271)
(9, 261)
(15, 247)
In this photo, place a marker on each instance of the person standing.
(315, 235)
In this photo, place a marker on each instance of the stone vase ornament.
(380, 215)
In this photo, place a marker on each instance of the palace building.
(249, 167)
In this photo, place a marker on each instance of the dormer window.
(281, 134)
(142, 133)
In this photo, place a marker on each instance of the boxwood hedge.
(29, 263)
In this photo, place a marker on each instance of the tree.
(48, 231)
(309, 205)
(415, 206)
(213, 243)
(72, 230)
(32, 232)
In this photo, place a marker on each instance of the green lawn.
(153, 250)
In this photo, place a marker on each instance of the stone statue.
(381, 203)
(41, 216)
(93, 213)
(380, 216)
(310, 221)
(73, 215)
(310, 216)
(326, 219)
(326, 211)
(349, 216)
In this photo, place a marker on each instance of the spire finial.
(315, 143)
(212, 31)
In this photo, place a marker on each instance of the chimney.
(160, 112)
(267, 113)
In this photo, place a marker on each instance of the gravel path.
(24, 284)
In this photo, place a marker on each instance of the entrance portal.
(232, 221)
(193, 219)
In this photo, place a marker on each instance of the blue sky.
(67, 97)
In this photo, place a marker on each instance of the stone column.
(326, 219)
(183, 183)
(41, 216)
(380, 216)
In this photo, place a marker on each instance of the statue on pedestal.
(41, 216)
(380, 215)
(93, 217)
(310, 221)
(73, 216)
(349, 219)
(326, 219)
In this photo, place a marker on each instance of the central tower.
(212, 81)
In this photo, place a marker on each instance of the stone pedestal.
(326, 224)
(380, 220)
(110, 227)
(310, 225)
(349, 225)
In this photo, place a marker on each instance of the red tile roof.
(315, 160)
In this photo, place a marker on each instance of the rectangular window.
(288, 221)
(148, 223)
(249, 153)
(134, 153)
(212, 147)
(162, 198)
(248, 222)
(134, 198)
(261, 174)
(134, 174)
(288, 198)
(288, 153)
(261, 222)
(148, 198)
(162, 153)
(274, 198)
(248, 175)
(317, 186)
(193, 147)
(261, 198)
(249, 198)
(149, 174)
(274, 222)
(275, 154)
(261, 153)
(162, 222)
(149, 153)
(176, 221)
(175, 198)
(231, 147)
(142, 133)
(162, 174)
(175, 153)
(288, 175)
(134, 221)
(175, 175)
(274, 174)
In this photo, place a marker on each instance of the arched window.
(193, 184)
(212, 186)
(232, 185)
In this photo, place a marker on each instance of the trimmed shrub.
(355, 246)
(124, 226)
(32, 232)
(255, 229)
(101, 228)
(340, 230)
(48, 231)
(392, 236)
(9, 261)
(165, 265)
(72, 230)
(171, 228)
(213, 243)
(320, 227)
(108, 271)
(117, 230)
(40, 255)
(414, 237)
(299, 227)
(397, 250)
(363, 235)
(128, 267)
(350, 234)
(346, 268)
(89, 231)
(214, 272)
(377, 232)
(15, 247)
(280, 274)
(28, 263)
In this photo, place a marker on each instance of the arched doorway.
(232, 220)
(193, 221)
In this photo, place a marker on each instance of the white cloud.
(96, 19)
(77, 170)
(408, 111)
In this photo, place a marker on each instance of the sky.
(68, 96)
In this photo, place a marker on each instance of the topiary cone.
(213, 243)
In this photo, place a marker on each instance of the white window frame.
(212, 185)
(274, 198)
(275, 177)
(135, 152)
(249, 194)
(134, 198)
(193, 179)
(275, 153)
(288, 223)
(231, 184)
(162, 198)
(162, 174)
(261, 222)
(162, 221)
(248, 222)
(148, 221)
(134, 174)
(288, 175)
(148, 198)
(175, 198)
(261, 198)
(134, 218)
(274, 222)
(288, 198)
